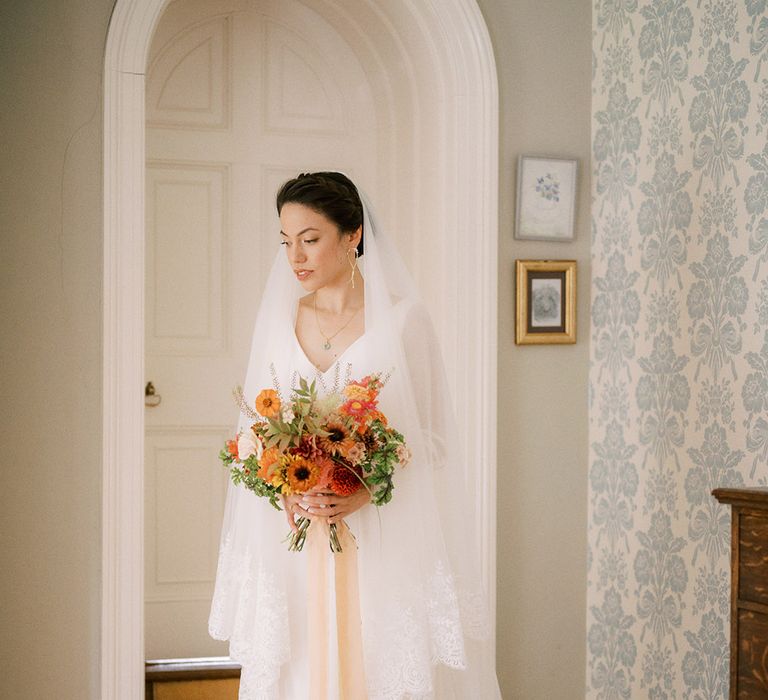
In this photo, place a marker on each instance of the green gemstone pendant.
(327, 345)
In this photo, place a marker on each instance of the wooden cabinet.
(749, 591)
(214, 678)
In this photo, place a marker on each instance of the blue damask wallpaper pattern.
(679, 333)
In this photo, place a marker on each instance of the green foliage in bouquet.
(339, 444)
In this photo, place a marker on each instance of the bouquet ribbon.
(348, 622)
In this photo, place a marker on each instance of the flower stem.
(297, 538)
(333, 539)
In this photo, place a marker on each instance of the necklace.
(329, 338)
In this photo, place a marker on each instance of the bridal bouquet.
(339, 443)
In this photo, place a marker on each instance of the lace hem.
(403, 645)
(403, 650)
(250, 610)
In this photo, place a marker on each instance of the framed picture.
(546, 302)
(546, 198)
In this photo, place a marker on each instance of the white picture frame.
(546, 198)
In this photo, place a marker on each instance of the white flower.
(248, 444)
(327, 405)
(288, 414)
(403, 455)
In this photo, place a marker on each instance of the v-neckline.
(335, 362)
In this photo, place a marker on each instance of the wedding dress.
(418, 604)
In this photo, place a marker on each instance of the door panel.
(240, 97)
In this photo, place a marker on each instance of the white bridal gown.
(422, 635)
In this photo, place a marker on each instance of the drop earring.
(353, 265)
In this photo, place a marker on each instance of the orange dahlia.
(379, 416)
(268, 458)
(232, 448)
(268, 403)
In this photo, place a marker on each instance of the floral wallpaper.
(679, 333)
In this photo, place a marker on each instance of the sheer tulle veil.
(425, 617)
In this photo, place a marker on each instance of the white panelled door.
(240, 96)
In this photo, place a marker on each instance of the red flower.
(308, 447)
(345, 480)
(358, 409)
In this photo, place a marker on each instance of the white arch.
(456, 51)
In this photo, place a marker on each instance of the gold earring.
(353, 265)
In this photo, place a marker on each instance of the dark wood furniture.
(212, 678)
(749, 591)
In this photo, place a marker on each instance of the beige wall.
(51, 55)
(50, 305)
(543, 57)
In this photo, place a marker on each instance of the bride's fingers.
(304, 511)
(319, 499)
(347, 505)
(289, 514)
(320, 511)
(288, 508)
(339, 513)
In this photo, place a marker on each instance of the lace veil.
(425, 618)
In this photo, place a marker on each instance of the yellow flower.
(268, 403)
(279, 482)
(356, 392)
(279, 478)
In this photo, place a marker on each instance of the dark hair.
(332, 194)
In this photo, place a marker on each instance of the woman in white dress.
(399, 614)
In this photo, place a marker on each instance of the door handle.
(151, 397)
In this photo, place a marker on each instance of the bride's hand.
(320, 504)
(292, 505)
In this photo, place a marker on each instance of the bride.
(399, 614)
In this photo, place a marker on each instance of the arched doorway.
(434, 73)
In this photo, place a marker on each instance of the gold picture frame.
(546, 302)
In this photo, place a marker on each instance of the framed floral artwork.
(546, 302)
(546, 198)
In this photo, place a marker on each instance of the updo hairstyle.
(332, 194)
